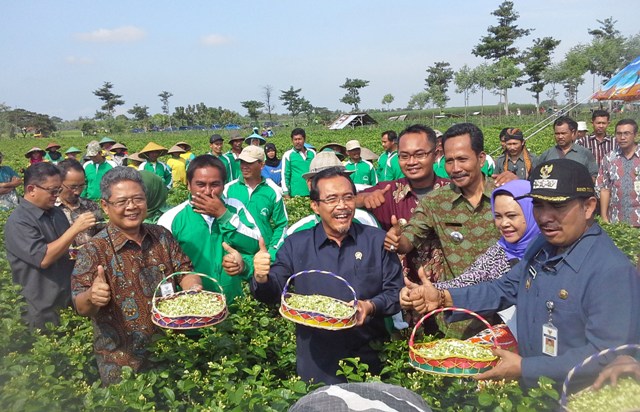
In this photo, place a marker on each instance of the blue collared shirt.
(595, 292)
(374, 273)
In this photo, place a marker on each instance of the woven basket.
(450, 366)
(564, 398)
(188, 321)
(317, 319)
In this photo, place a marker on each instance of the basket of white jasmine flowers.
(188, 309)
(621, 397)
(451, 357)
(315, 310)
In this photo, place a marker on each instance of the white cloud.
(214, 40)
(124, 34)
(78, 60)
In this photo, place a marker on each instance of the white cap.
(582, 126)
(352, 144)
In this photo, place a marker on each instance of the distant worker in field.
(188, 154)
(134, 160)
(9, 180)
(117, 273)
(582, 132)
(255, 140)
(388, 166)
(106, 143)
(232, 164)
(151, 152)
(94, 169)
(72, 153)
(72, 204)
(272, 166)
(37, 240)
(53, 155)
(600, 144)
(364, 174)
(516, 158)
(119, 152)
(295, 163)
(177, 164)
(35, 155)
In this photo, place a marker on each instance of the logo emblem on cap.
(545, 171)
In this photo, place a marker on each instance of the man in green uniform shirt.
(388, 165)
(295, 162)
(219, 235)
(151, 152)
(94, 169)
(261, 196)
(231, 163)
(363, 171)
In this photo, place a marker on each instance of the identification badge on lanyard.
(550, 334)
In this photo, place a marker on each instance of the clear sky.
(222, 52)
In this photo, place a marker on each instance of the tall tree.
(110, 99)
(139, 113)
(253, 108)
(466, 83)
(607, 51)
(536, 59)
(388, 99)
(292, 101)
(569, 72)
(268, 102)
(437, 83)
(353, 86)
(164, 99)
(499, 45)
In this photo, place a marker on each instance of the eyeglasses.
(335, 200)
(74, 187)
(624, 134)
(55, 191)
(417, 156)
(122, 203)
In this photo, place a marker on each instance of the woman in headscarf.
(272, 166)
(156, 193)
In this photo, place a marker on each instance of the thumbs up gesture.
(425, 297)
(261, 263)
(232, 262)
(100, 291)
(376, 199)
(392, 240)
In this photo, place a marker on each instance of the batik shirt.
(622, 177)
(84, 205)
(122, 329)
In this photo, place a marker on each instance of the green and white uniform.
(294, 164)
(232, 164)
(389, 167)
(93, 174)
(360, 216)
(201, 236)
(363, 172)
(161, 169)
(266, 205)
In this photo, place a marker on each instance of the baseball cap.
(324, 160)
(582, 127)
(513, 133)
(251, 154)
(215, 138)
(353, 144)
(93, 148)
(560, 180)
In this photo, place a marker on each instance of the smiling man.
(37, 239)
(348, 249)
(458, 216)
(569, 286)
(295, 163)
(516, 158)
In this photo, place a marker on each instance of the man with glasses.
(37, 239)
(619, 177)
(345, 248)
(70, 202)
(576, 292)
(117, 273)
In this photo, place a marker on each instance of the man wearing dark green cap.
(575, 291)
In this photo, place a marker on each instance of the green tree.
(353, 86)
(569, 72)
(418, 101)
(25, 122)
(499, 45)
(388, 99)
(268, 100)
(164, 99)
(292, 101)
(466, 83)
(253, 108)
(437, 83)
(536, 59)
(139, 113)
(503, 75)
(110, 99)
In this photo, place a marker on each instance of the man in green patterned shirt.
(458, 215)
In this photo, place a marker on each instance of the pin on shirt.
(457, 237)
(358, 255)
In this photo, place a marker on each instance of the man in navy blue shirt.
(345, 248)
(576, 293)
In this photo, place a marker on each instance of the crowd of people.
(432, 222)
